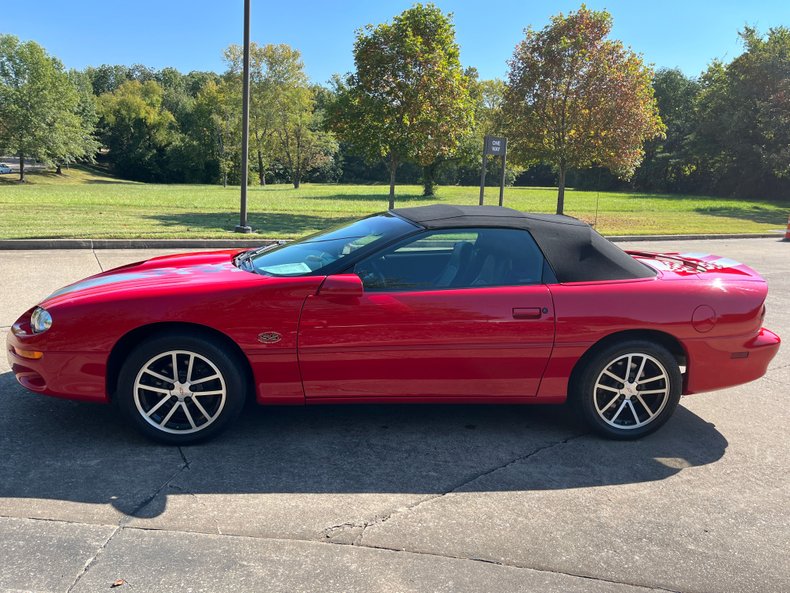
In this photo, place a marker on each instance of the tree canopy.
(409, 97)
(576, 98)
(578, 108)
(45, 113)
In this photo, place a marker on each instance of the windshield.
(311, 254)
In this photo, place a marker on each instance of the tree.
(42, 114)
(742, 136)
(218, 117)
(137, 130)
(409, 97)
(577, 99)
(669, 163)
(276, 73)
(83, 145)
(302, 144)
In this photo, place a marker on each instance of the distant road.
(13, 163)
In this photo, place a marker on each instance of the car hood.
(184, 271)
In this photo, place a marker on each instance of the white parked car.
(4, 168)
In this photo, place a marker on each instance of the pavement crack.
(184, 458)
(516, 566)
(93, 558)
(96, 257)
(378, 547)
(359, 528)
(134, 512)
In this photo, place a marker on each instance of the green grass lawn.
(86, 204)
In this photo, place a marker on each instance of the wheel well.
(129, 342)
(668, 341)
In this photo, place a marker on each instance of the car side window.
(455, 258)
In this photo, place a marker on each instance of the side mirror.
(345, 285)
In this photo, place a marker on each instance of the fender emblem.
(269, 338)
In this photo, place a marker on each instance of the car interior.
(456, 258)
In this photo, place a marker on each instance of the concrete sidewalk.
(396, 498)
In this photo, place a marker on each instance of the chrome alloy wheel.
(631, 391)
(179, 392)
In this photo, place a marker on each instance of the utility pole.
(243, 227)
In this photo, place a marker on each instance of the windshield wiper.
(244, 257)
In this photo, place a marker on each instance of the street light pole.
(243, 227)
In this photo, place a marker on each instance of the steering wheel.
(371, 275)
(315, 262)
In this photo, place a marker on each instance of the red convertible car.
(431, 304)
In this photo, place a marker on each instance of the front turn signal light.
(31, 354)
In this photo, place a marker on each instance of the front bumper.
(726, 362)
(70, 375)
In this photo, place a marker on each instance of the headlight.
(40, 320)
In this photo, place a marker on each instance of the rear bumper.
(70, 375)
(725, 362)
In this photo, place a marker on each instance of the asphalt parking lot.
(391, 499)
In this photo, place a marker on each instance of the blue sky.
(190, 34)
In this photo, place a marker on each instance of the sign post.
(243, 227)
(496, 146)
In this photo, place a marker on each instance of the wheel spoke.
(170, 414)
(189, 368)
(645, 406)
(650, 380)
(609, 405)
(200, 407)
(199, 393)
(641, 368)
(633, 411)
(611, 375)
(620, 409)
(188, 414)
(155, 389)
(158, 376)
(652, 391)
(204, 379)
(612, 389)
(628, 368)
(175, 367)
(158, 405)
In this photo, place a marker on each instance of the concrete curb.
(32, 244)
(621, 238)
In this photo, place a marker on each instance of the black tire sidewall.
(227, 364)
(583, 391)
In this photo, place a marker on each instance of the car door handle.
(528, 312)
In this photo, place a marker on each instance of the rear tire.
(628, 390)
(201, 398)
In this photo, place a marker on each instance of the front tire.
(180, 388)
(628, 390)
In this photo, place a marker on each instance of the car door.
(458, 313)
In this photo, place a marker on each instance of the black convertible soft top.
(575, 251)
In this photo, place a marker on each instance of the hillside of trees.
(727, 131)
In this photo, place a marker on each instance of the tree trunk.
(393, 168)
(261, 172)
(429, 180)
(59, 169)
(297, 178)
(561, 190)
(21, 167)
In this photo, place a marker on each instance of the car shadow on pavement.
(60, 450)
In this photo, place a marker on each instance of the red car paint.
(338, 344)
